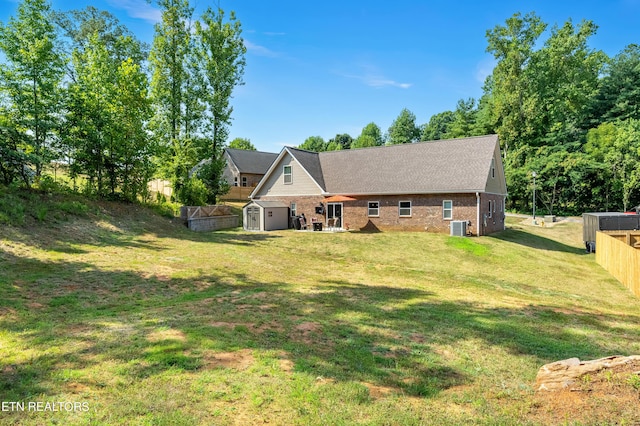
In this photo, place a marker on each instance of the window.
(269, 213)
(493, 168)
(294, 210)
(374, 209)
(492, 207)
(235, 181)
(404, 208)
(447, 210)
(288, 178)
(244, 181)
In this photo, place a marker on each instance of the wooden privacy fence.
(619, 253)
(238, 193)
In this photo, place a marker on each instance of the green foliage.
(194, 193)
(371, 135)
(11, 209)
(30, 82)
(404, 129)
(437, 127)
(314, 143)
(341, 141)
(242, 143)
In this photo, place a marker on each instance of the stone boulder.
(562, 375)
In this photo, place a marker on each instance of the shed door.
(253, 218)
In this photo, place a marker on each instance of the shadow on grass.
(349, 332)
(535, 241)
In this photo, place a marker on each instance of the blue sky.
(323, 68)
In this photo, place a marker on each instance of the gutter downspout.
(478, 213)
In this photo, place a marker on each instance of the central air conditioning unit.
(458, 228)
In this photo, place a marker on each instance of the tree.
(437, 127)
(31, 78)
(512, 45)
(618, 96)
(404, 129)
(464, 120)
(168, 62)
(108, 109)
(617, 145)
(341, 141)
(371, 135)
(313, 143)
(220, 54)
(242, 143)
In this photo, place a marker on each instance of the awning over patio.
(338, 199)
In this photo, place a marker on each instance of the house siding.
(492, 221)
(274, 185)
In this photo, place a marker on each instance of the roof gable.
(253, 162)
(445, 166)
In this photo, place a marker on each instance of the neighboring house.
(245, 168)
(420, 187)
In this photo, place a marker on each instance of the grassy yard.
(140, 321)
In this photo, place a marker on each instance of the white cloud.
(139, 9)
(256, 49)
(376, 80)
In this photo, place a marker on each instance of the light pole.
(534, 195)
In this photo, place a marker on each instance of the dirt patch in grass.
(238, 360)
(170, 334)
(378, 391)
(609, 395)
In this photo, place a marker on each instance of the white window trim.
(244, 181)
(493, 168)
(369, 209)
(491, 208)
(444, 210)
(285, 174)
(401, 208)
(294, 209)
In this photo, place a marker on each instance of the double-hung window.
(288, 176)
(373, 209)
(404, 208)
(294, 209)
(447, 210)
(244, 181)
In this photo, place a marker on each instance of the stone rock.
(563, 374)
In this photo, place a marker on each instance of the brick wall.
(426, 212)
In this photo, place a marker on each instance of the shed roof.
(269, 204)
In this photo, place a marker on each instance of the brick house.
(414, 187)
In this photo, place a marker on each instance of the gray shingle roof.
(455, 165)
(255, 162)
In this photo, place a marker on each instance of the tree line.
(79, 88)
(561, 109)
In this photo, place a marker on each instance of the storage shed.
(265, 216)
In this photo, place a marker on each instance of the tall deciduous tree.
(169, 61)
(437, 127)
(242, 143)
(314, 143)
(31, 77)
(220, 55)
(371, 135)
(404, 129)
(512, 45)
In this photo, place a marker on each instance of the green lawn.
(145, 322)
